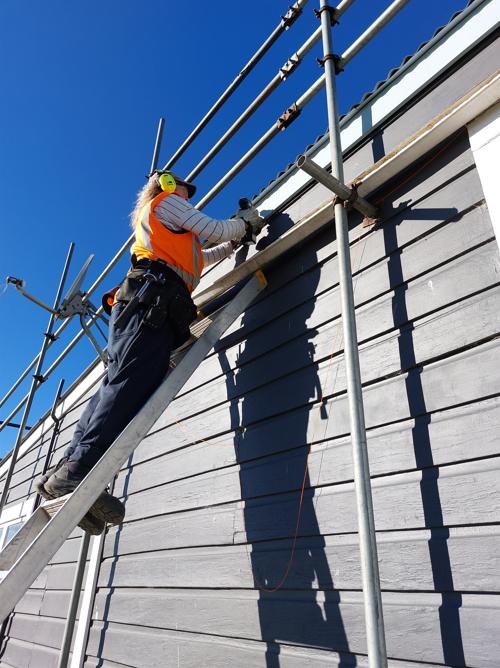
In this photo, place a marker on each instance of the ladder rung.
(51, 507)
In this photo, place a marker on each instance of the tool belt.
(152, 287)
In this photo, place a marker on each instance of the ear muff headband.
(167, 182)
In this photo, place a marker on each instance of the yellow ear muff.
(167, 182)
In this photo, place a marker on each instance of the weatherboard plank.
(320, 562)
(330, 621)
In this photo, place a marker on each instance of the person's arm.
(175, 213)
(217, 253)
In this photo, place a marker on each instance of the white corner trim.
(484, 135)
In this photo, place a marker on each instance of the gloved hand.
(253, 223)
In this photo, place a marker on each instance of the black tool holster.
(155, 289)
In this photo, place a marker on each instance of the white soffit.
(484, 135)
(471, 26)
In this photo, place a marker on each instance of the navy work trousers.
(138, 361)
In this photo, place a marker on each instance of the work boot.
(106, 508)
(40, 482)
(89, 523)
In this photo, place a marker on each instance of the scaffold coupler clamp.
(334, 14)
(348, 202)
(289, 66)
(293, 13)
(370, 222)
(337, 61)
(288, 117)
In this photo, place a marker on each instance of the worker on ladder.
(150, 312)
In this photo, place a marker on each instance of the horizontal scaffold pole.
(285, 23)
(290, 114)
(283, 73)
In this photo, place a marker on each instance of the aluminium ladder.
(50, 525)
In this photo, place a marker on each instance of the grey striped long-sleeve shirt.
(175, 213)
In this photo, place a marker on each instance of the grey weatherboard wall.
(212, 494)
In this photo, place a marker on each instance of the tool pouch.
(161, 301)
(182, 312)
(172, 302)
(159, 305)
(130, 286)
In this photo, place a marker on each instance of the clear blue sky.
(83, 86)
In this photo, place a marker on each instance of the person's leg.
(85, 419)
(139, 358)
(79, 429)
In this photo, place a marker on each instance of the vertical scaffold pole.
(156, 150)
(73, 603)
(377, 656)
(37, 378)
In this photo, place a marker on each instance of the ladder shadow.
(306, 608)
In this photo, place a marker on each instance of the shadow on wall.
(294, 613)
(449, 610)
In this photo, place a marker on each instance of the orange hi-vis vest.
(180, 250)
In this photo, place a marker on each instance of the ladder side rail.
(53, 535)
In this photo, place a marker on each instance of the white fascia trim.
(449, 45)
(484, 135)
(79, 390)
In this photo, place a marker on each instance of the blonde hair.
(144, 196)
